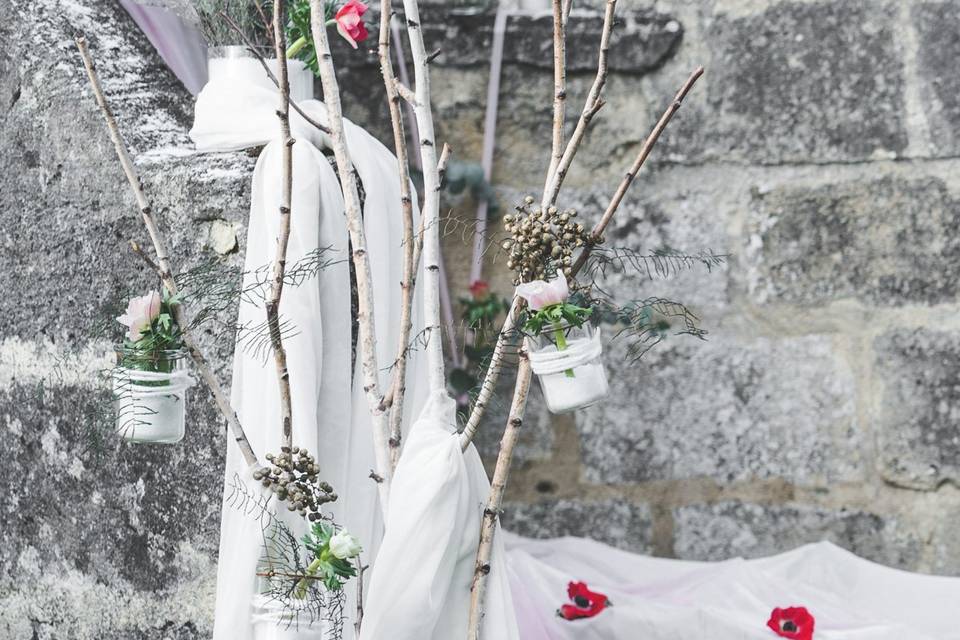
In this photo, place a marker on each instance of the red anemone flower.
(795, 623)
(586, 603)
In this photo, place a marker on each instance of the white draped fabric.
(236, 110)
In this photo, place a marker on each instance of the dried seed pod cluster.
(294, 479)
(541, 241)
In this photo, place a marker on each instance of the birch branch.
(491, 511)
(591, 106)
(597, 233)
(559, 94)
(395, 396)
(280, 259)
(496, 361)
(430, 212)
(504, 458)
(164, 270)
(361, 261)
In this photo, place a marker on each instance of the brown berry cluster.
(541, 241)
(294, 478)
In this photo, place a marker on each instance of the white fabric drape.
(330, 415)
(420, 588)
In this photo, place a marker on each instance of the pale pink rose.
(540, 294)
(141, 312)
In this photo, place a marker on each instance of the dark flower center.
(582, 602)
(788, 625)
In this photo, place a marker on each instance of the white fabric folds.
(420, 588)
(330, 415)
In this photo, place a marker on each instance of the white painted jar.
(150, 395)
(237, 63)
(570, 369)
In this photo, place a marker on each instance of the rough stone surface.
(801, 81)
(735, 529)
(919, 406)
(886, 242)
(940, 90)
(725, 410)
(615, 522)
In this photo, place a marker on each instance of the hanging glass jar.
(150, 393)
(567, 361)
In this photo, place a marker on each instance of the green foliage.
(332, 570)
(464, 177)
(152, 352)
(562, 313)
(299, 34)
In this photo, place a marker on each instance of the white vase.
(150, 394)
(236, 62)
(271, 620)
(569, 365)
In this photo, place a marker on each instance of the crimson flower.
(586, 603)
(350, 22)
(479, 289)
(795, 623)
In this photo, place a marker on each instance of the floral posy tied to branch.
(348, 19)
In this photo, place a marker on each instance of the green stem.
(561, 344)
(303, 41)
(301, 592)
(297, 46)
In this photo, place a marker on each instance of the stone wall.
(819, 151)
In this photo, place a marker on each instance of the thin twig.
(162, 265)
(358, 623)
(430, 211)
(398, 386)
(597, 234)
(361, 260)
(491, 511)
(280, 258)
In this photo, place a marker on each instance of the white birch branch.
(491, 511)
(361, 261)
(163, 267)
(430, 211)
(280, 258)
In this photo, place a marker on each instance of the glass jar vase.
(567, 361)
(237, 63)
(150, 394)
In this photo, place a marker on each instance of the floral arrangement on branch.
(347, 18)
(152, 331)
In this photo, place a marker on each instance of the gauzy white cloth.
(659, 599)
(420, 587)
(330, 415)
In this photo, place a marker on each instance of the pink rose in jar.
(140, 314)
(540, 293)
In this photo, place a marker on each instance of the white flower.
(345, 546)
(540, 294)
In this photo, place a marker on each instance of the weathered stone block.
(889, 241)
(732, 529)
(798, 81)
(936, 25)
(615, 522)
(918, 407)
(92, 525)
(725, 409)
